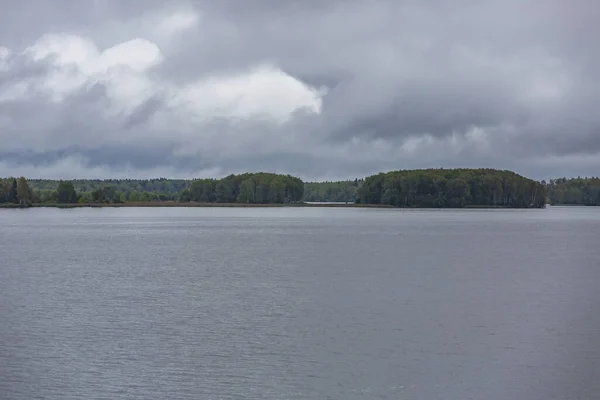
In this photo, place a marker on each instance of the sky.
(323, 90)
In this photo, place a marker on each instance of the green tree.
(247, 189)
(224, 191)
(23, 192)
(12, 191)
(184, 196)
(84, 197)
(202, 190)
(277, 190)
(65, 193)
(5, 190)
(134, 196)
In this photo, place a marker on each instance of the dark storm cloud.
(36, 118)
(521, 75)
(36, 159)
(438, 109)
(137, 156)
(143, 113)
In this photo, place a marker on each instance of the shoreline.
(242, 205)
(195, 204)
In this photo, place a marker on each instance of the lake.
(299, 303)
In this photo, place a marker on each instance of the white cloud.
(78, 63)
(265, 91)
(254, 102)
(137, 54)
(124, 69)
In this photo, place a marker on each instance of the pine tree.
(23, 191)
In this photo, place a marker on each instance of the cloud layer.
(323, 90)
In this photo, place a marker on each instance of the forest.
(340, 191)
(454, 188)
(576, 191)
(113, 190)
(404, 188)
(259, 188)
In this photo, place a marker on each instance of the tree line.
(576, 191)
(454, 188)
(260, 188)
(20, 192)
(405, 188)
(339, 191)
(245, 188)
(113, 190)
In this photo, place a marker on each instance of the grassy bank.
(9, 205)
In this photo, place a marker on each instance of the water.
(288, 303)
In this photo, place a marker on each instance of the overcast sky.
(319, 89)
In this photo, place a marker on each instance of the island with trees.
(452, 188)
(426, 188)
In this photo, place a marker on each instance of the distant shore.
(196, 204)
(232, 205)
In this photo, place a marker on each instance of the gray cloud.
(504, 84)
(143, 113)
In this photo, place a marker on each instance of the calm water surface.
(211, 303)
